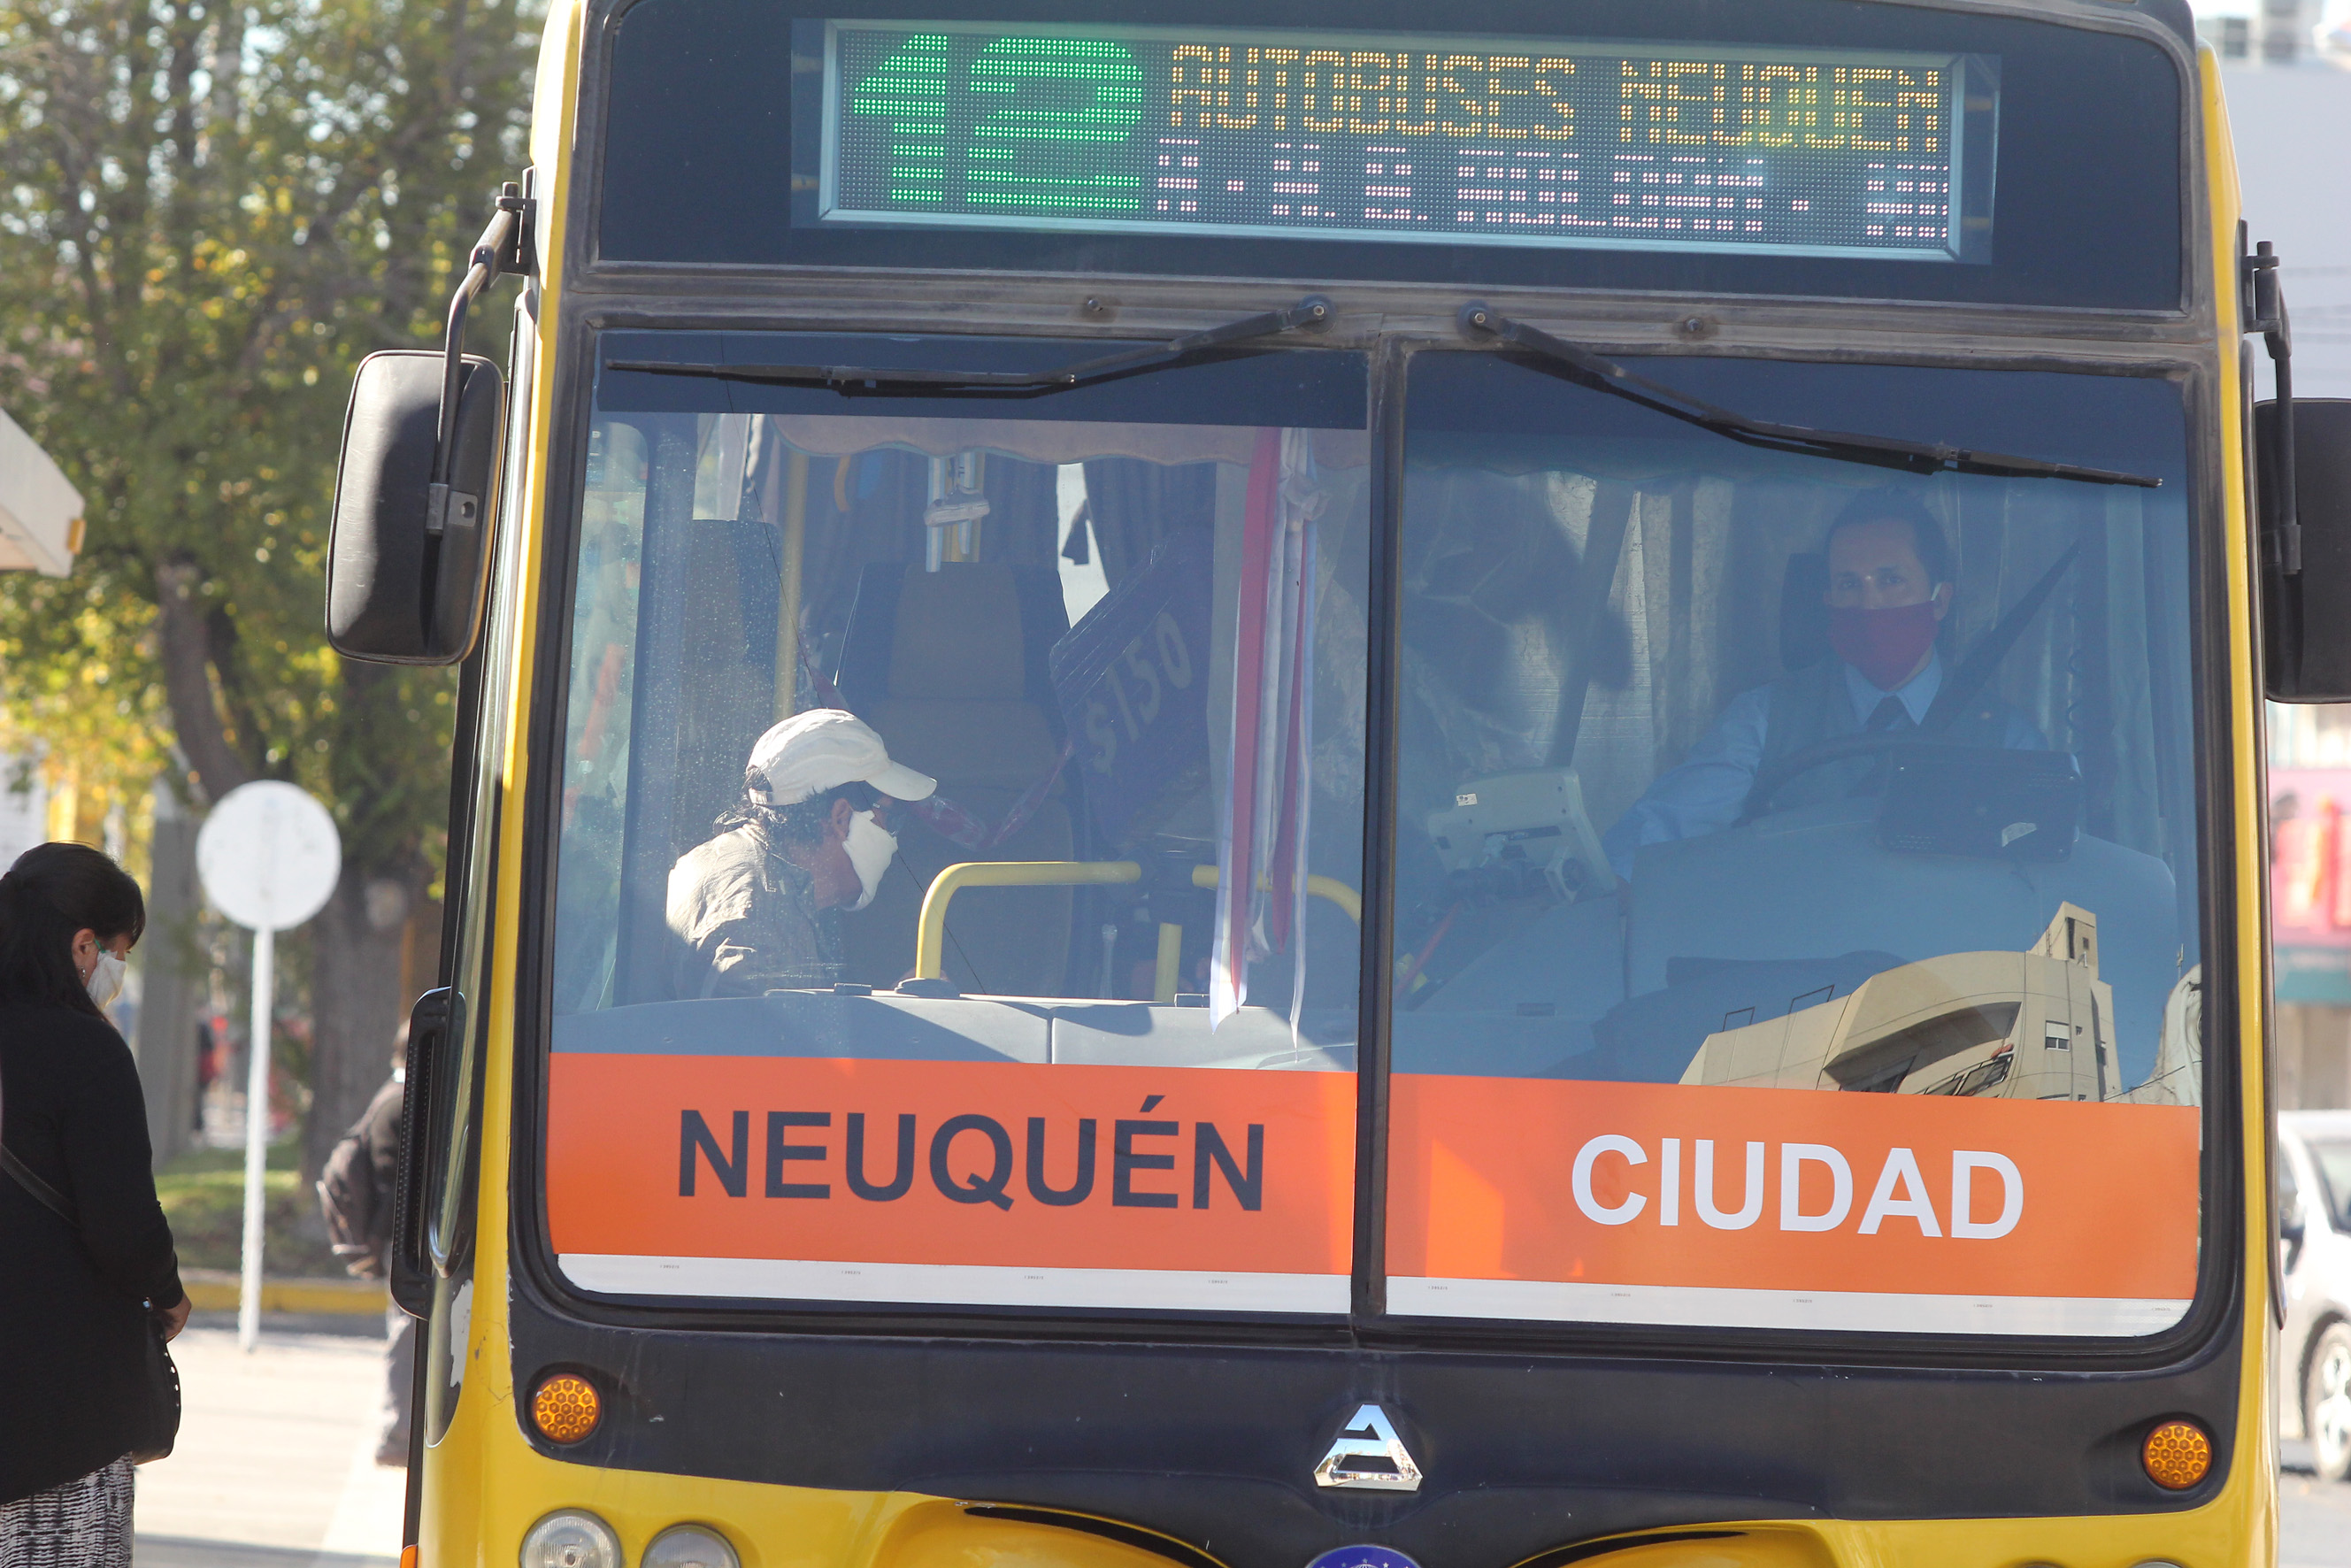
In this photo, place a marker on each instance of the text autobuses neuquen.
(1248, 132)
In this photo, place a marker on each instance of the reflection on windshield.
(1110, 661)
(2333, 1159)
(1727, 767)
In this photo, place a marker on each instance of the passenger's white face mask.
(104, 981)
(870, 846)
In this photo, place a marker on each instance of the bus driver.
(754, 909)
(1889, 588)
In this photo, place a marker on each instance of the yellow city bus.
(1593, 895)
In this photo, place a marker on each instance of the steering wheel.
(1770, 782)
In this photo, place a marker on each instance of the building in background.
(40, 512)
(2286, 73)
(40, 531)
(2274, 32)
(24, 806)
(2310, 904)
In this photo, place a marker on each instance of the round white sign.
(268, 855)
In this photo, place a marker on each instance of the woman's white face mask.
(870, 847)
(104, 981)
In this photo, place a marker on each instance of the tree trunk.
(356, 1006)
(171, 976)
(188, 684)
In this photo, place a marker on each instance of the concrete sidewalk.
(2314, 1516)
(275, 1467)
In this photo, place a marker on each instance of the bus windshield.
(1724, 769)
(1791, 915)
(1035, 610)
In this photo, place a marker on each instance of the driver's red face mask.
(1884, 645)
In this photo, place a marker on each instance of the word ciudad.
(1898, 1191)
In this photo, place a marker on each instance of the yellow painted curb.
(215, 1291)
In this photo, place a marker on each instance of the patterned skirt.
(82, 1524)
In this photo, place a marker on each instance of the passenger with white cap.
(757, 908)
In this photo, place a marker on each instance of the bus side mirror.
(2306, 614)
(405, 586)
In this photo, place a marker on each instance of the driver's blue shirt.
(1706, 792)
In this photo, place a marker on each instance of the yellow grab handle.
(931, 930)
(1328, 887)
(1167, 975)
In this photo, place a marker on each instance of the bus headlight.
(690, 1546)
(570, 1538)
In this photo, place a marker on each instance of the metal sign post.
(269, 857)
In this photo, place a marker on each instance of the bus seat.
(947, 666)
(984, 602)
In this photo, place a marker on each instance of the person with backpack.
(89, 1283)
(355, 1193)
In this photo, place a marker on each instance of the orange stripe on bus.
(1496, 1178)
(1191, 1168)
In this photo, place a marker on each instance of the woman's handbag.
(159, 1423)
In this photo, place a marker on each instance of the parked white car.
(2314, 1351)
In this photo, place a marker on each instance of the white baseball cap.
(822, 750)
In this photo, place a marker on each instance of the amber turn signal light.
(567, 1407)
(2177, 1454)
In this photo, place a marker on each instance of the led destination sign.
(1444, 140)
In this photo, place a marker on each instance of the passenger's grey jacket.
(745, 920)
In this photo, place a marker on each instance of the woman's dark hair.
(1892, 505)
(52, 891)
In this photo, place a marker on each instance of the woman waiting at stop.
(77, 1295)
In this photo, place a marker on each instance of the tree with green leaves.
(216, 208)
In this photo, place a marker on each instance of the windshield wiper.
(864, 381)
(1918, 456)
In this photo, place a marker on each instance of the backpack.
(355, 1211)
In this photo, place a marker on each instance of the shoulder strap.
(1983, 663)
(50, 1198)
(1799, 714)
(26, 1178)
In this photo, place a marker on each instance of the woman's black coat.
(72, 1351)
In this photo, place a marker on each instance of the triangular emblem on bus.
(1368, 1455)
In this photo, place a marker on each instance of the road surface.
(275, 1463)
